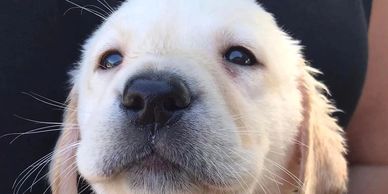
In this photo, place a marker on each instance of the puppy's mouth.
(154, 162)
(157, 171)
(150, 159)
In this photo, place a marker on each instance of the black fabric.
(38, 44)
(367, 8)
(334, 34)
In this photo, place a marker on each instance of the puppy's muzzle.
(155, 99)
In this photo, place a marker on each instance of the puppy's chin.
(153, 175)
(156, 175)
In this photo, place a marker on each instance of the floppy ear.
(323, 165)
(63, 170)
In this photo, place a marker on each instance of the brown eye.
(110, 60)
(240, 56)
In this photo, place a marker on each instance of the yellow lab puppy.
(204, 96)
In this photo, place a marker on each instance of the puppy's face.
(186, 96)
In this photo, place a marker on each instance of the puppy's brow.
(227, 38)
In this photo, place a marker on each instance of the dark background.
(39, 44)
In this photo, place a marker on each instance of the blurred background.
(40, 41)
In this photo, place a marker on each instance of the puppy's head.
(199, 96)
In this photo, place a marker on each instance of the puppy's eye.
(240, 56)
(110, 60)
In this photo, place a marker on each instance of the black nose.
(156, 99)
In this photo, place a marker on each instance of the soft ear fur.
(323, 165)
(63, 172)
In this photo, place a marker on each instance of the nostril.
(179, 98)
(172, 104)
(177, 102)
(133, 102)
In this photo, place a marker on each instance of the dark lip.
(150, 159)
(155, 162)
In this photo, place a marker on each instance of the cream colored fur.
(325, 168)
(275, 119)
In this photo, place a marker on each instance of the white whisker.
(290, 174)
(96, 13)
(38, 122)
(33, 94)
(35, 131)
(99, 8)
(25, 174)
(49, 102)
(106, 5)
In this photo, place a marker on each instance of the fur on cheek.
(63, 168)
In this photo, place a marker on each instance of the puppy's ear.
(323, 165)
(63, 170)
